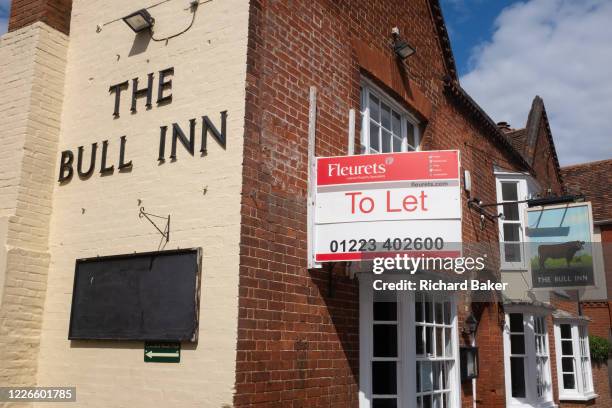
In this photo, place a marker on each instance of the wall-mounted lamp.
(471, 324)
(139, 21)
(468, 358)
(401, 48)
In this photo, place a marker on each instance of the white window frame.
(580, 393)
(367, 88)
(407, 358)
(521, 195)
(531, 393)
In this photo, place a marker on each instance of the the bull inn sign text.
(87, 159)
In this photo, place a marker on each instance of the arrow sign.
(162, 352)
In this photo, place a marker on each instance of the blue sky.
(5, 6)
(508, 52)
(470, 23)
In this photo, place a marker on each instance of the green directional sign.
(162, 352)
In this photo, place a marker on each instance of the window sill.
(544, 404)
(577, 397)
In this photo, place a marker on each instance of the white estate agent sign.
(368, 206)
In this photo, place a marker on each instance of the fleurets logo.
(337, 170)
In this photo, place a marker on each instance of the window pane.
(396, 119)
(410, 134)
(385, 311)
(516, 322)
(439, 313)
(397, 144)
(386, 141)
(429, 340)
(384, 377)
(374, 137)
(517, 344)
(511, 212)
(439, 341)
(509, 191)
(566, 348)
(428, 312)
(384, 403)
(426, 380)
(568, 381)
(448, 343)
(418, 376)
(385, 340)
(567, 364)
(517, 375)
(447, 313)
(566, 331)
(420, 347)
(436, 374)
(374, 109)
(386, 116)
(427, 401)
(511, 232)
(418, 309)
(512, 252)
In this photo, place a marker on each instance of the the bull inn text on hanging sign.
(369, 206)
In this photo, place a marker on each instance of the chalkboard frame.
(198, 279)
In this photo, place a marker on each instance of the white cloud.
(560, 50)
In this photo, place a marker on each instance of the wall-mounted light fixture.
(468, 358)
(401, 48)
(471, 324)
(139, 20)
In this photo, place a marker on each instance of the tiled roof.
(518, 140)
(594, 180)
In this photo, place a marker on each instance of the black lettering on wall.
(116, 89)
(137, 93)
(177, 133)
(123, 165)
(164, 85)
(104, 169)
(92, 161)
(66, 171)
(162, 143)
(208, 126)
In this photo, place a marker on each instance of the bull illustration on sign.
(565, 250)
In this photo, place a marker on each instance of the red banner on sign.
(426, 165)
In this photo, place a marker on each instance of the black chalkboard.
(147, 296)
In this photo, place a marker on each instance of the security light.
(401, 48)
(140, 20)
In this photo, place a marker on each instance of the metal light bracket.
(166, 232)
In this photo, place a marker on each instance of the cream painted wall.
(32, 65)
(99, 216)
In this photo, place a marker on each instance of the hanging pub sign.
(379, 205)
(560, 246)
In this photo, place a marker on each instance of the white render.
(99, 215)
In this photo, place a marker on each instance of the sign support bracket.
(166, 232)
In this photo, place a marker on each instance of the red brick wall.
(544, 167)
(297, 345)
(55, 13)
